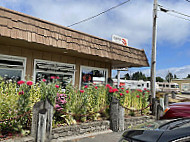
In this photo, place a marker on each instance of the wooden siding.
(20, 26)
(32, 54)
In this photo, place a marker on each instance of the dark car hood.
(143, 135)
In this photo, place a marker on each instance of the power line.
(87, 19)
(178, 16)
(174, 11)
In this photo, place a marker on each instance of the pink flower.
(44, 80)
(82, 91)
(137, 96)
(145, 89)
(57, 86)
(21, 93)
(127, 91)
(20, 82)
(121, 94)
(96, 87)
(52, 77)
(29, 83)
(85, 86)
(57, 106)
(110, 87)
(57, 77)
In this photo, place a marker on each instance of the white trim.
(89, 67)
(34, 73)
(16, 58)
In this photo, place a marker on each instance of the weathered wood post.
(116, 116)
(39, 117)
(41, 134)
(49, 108)
(35, 116)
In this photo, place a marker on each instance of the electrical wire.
(178, 16)
(87, 19)
(174, 11)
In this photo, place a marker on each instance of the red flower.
(122, 88)
(57, 86)
(96, 87)
(107, 86)
(110, 87)
(85, 86)
(52, 77)
(137, 96)
(20, 82)
(121, 94)
(44, 80)
(29, 83)
(82, 91)
(21, 93)
(127, 91)
(115, 90)
(111, 90)
(145, 89)
(143, 94)
(139, 90)
(57, 77)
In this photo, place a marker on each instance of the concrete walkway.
(108, 136)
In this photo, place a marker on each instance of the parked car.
(177, 130)
(177, 110)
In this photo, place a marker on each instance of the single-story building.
(35, 48)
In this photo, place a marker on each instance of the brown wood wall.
(32, 54)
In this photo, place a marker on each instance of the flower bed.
(71, 107)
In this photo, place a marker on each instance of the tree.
(127, 76)
(138, 76)
(175, 76)
(169, 77)
(188, 76)
(159, 79)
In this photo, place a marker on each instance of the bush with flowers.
(17, 100)
(89, 103)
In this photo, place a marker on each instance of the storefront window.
(61, 71)
(12, 67)
(93, 75)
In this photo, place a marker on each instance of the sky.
(132, 20)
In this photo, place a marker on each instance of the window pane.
(46, 69)
(91, 75)
(11, 74)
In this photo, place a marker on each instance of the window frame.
(90, 67)
(36, 60)
(15, 58)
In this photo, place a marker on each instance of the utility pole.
(153, 59)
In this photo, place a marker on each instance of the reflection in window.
(64, 73)
(11, 67)
(93, 75)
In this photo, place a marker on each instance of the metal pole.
(153, 60)
(118, 78)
